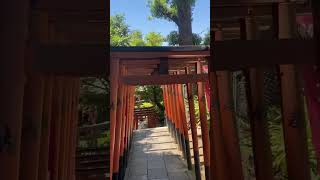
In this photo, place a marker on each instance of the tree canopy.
(173, 38)
(122, 35)
(136, 38)
(206, 39)
(154, 39)
(177, 11)
(168, 9)
(119, 31)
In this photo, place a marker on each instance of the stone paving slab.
(155, 156)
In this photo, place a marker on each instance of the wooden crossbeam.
(72, 5)
(83, 26)
(169, 54)
(239, 8)
(91, 59)
(164, 79)
(239, 54)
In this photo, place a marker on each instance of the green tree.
(177, 11)
(119, 31)
(206, 39)
(173, 38)
(196, 39)
(94, 91)
(154, 39)
(136, 39)
(153, 95)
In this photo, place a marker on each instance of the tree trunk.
(156, 100)
(184, 23)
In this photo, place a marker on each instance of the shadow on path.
(155, 156)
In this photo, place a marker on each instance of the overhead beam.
(90, 59)
(158, 55)
(254, 53)
(239, 8)
(164, 79)
(71, 5)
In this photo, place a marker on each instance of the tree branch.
(93, 85)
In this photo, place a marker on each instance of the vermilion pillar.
(184, 125)
(45, 128)
(173, 114)
(228, 125)
(292, 104)
(54, 146)
(218, 160)
(14, 15)
(123, 131)
(178, 119)
(259, 127)
(204, 123)
(119, 125)
(75, 127)
(166, 105)
(181, 116)
(130, 115)
(114, 74)
(193, 131)
(64, 128)
(31, 123)
(68, 144)
(168, 109)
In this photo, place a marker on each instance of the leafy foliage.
(167, 9)
(94, 92)
(154, 39)
(119, 31)
(151, 95)
(122, 35)
(206, 39)
(196, 39)
(136, 38)
(177, 11)
(173, 38)
(274, 119)
(163, 9)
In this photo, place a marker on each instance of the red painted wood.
(54, 145)
(119, 126)
(294, 125)
(45, 128)
(114, 74)
(31, 127)
(203, 122)
(228, 126)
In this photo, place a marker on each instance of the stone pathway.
(154, 156)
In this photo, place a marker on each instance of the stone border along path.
(155, 156)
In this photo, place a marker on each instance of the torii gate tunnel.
(179, 69)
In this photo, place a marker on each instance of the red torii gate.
(123, 72)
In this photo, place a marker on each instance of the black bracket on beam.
(164, 66)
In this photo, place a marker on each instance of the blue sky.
(137, 13)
